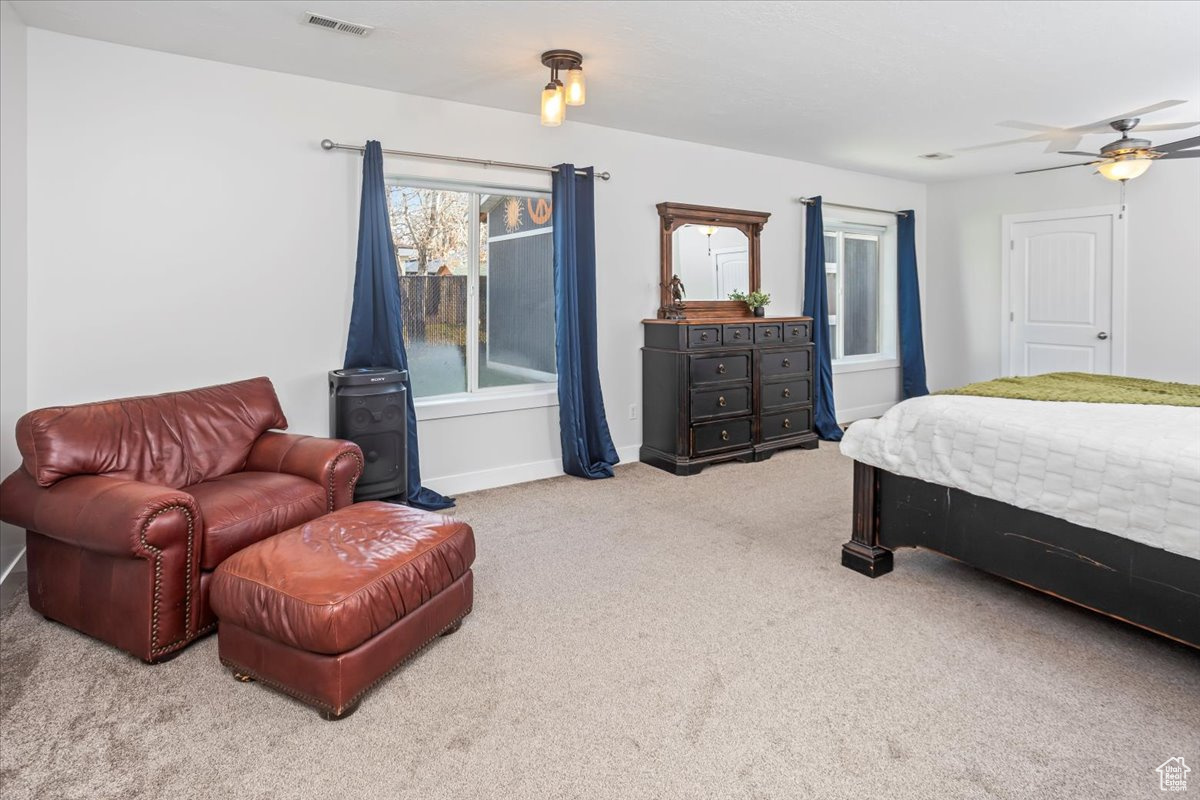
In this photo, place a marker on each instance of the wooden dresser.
(724, 389)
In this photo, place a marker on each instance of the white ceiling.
(861, 85)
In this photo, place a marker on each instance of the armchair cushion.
(247, 507)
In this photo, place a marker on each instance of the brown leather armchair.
(129, 505)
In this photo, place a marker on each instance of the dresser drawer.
(797, 332)
(729, 401)
(712, 437)
(768, 333)
(716, 369)
(794, 392)
(780, 363)
(704, 336)
(786, 423)
(738, 335)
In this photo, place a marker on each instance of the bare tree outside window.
(429, 223)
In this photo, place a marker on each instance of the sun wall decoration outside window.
(557, 95)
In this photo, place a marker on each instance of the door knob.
(1101, 335)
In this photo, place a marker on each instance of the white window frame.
(888, 324)
(478, 400)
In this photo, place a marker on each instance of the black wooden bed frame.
(1142, 585)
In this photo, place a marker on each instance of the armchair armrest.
(106, 515)
(333, 463)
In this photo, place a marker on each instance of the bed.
(1095, 502)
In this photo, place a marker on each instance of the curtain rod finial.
(326, 144)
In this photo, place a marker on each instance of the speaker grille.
(375, 418)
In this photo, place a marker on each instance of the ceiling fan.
(1058, 139)
(1127, 157)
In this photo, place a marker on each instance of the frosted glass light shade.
(1125, 169)
(576, 87)
(553, 107)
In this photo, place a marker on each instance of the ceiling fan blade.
(994, 144)
(1137, 112)
(1167, 126)
(1027, 126)
(1079, 153)
(1059, 143)
(1182, 144)
(1180, 154)
(1064, 166)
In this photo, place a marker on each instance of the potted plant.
(757, 302)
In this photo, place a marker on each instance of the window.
(478, 299)
(861, 293)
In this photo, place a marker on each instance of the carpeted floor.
(646, 637)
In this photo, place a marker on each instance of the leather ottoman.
(326, 610)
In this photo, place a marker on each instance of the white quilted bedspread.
(1129, 470)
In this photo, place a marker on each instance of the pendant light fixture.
(553, 107)
(557, 96)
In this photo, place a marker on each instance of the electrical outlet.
(633, 410)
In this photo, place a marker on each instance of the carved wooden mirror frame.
(676, 215)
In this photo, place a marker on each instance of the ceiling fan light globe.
(1124, 169)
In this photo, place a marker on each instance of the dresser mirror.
(707, 253)
(711, 261)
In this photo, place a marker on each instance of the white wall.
(185, 228)
(962, 276)
(13, 266)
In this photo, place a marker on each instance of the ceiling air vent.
(339, 25)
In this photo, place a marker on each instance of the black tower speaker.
(368, 406)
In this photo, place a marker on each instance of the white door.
(733, 271)
(1061, 295)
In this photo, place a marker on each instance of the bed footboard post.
(863, 553)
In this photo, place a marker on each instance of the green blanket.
(1080, 387)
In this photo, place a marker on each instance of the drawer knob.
(795, 331)
(720, 369)
(767, 333)
(787, 362)
(737, 334)
(704, 336)
(725, 435)
(787, 392)
(721, 401)
(787, 423)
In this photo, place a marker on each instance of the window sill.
(866, 364)
(489, 402)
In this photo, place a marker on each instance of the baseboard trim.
(845, 415)
(508, 475)
(8, 579)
